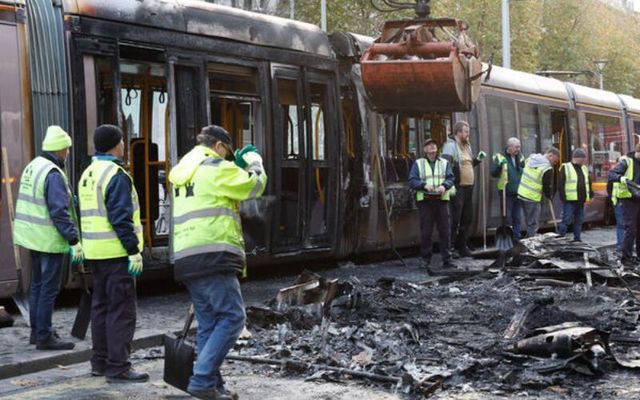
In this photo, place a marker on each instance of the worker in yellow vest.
(209, 183)
(628, 170)
(536, 181)
(574, 187)
(46, 224)
(508, 167)
(433, 181)
(112, 240)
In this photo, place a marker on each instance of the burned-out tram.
(162, 69)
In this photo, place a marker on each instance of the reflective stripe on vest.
(530, 187)
(202, 221)
(623, 190)
(99, 240)
(33, 228)
(433, 178)
(571, 181)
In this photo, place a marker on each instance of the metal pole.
(323, 15)
(506, 35)
(292, 9)
(601, 80)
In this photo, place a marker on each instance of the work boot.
(128, 376)
(32, 337)
(55, 343)
(211, 394)
(226, 392)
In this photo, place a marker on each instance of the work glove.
(481, 155)
(253, 161)
(135, 265)
(239, 153)
(76, 254)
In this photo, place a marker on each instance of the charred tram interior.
(162, 69)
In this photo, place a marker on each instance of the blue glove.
(239, 153)
(135, 265)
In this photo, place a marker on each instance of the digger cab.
(422, 65)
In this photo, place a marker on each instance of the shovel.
(20, 297)
(83, 316)
(179, 356)
(504, 233)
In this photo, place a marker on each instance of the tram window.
(99, 101)
(575, 132)
(234, 100)
(232, 79)
(547, 137)
(605, 137)
(131, 111)
(502, 122)
(287, 98)
(636, 129)
(159, 121)
(318, 107)
(529, 127)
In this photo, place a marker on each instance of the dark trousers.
(113, 315)
(46, 275)
(513, 213)
(631, 214)
(461, 216)
(434, 212)
(572, 212)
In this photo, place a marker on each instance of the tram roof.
(505, 78)
(207, 19)
(631, 103)
(589, 96)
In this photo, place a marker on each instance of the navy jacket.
(416, 183)
(514, 172)
(57, 198)
(119, 207)
(619, 170)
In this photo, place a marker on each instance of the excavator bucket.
(409, 69)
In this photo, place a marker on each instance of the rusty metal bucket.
(408, 69)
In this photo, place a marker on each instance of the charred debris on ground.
(546, 314)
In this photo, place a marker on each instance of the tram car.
(162, 69)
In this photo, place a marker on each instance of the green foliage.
(545, 34)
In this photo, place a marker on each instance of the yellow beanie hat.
(56, 139)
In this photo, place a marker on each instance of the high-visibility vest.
(34, 228)
(206, 206)
(571, 181)
(99, 239)
(434, 178)
(620, 190)
(504, 174)
(530, 187)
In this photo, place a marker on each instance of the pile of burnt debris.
(548, 313)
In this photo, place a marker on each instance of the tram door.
(144, 113)
(561, 136)
(303, 178)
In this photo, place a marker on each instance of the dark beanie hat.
(217, 132)
(106, 137)
(579, 153)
